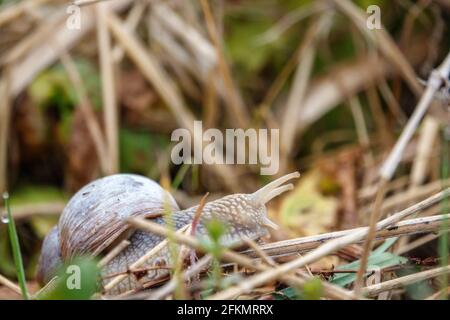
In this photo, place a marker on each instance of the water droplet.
(4, 216)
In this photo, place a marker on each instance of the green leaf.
(376, 259)
(76, 280)
(216, 229)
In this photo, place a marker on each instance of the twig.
(433, 84)
(368, 244)
(323, 250)
(404, 281)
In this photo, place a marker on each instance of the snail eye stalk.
(274, 189)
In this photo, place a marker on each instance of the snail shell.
(96, 215)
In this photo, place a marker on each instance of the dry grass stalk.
(361, 129)
(82, 3)
(417, 243)
(404, 281)
(441, 294)
(5, 110)
(110, 111)
(368, 244)
(260, 252)
(407, 227)
(87, 110)
(391, 101)
(343, 80)
(434, 83)
(324, 250)
(301, 82)
(169, 287)
(237, 108)
(24, 211)
(131, 22)
(44, 54)
(202, 50)
(290, 19)
(10, 285)
(330, 290)
(401, 199)
(138, 263)
(15, 10)
(42, 33)
(391, 163)
(148, 65)
(382, 40)
(428, 135)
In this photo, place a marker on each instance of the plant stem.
(443, 239)
(15, 247)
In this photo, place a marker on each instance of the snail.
(95, 220)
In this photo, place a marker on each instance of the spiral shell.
(96, 215)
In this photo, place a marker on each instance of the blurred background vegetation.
(307, 67)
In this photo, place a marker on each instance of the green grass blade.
(15, 247)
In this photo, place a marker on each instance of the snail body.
(95, 219)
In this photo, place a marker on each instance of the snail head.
(250, 209)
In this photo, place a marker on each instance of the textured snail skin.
(96, 217)
(225, 209)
